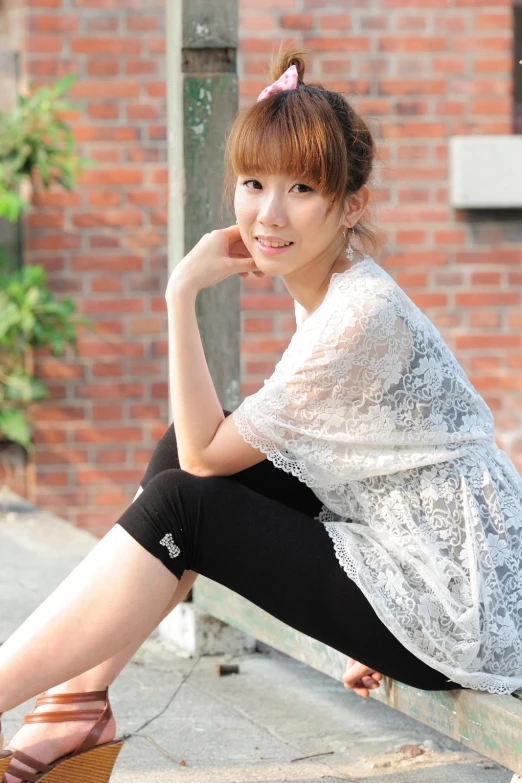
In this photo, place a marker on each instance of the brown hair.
(307, 132)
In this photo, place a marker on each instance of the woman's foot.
(359, 678)
(49, 741)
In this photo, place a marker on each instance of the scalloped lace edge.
(265, 445)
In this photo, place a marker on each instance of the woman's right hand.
(216, 256)
(360, 678)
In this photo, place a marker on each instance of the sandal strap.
(16, 771)
(71, 698)
(91, 740)
(64, 716)
(39, 766)
(22, 774)
(101, 716)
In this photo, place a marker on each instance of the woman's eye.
(252, 184)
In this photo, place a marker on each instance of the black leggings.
(255, 533)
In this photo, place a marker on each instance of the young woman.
(385, 521)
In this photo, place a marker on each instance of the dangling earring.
(349, 249)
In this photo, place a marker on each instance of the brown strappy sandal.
(89, 763)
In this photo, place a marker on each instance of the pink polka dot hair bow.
(287, 81)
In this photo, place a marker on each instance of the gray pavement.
(277, 720)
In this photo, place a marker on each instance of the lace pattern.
(369, 408)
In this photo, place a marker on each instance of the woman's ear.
(355, 205)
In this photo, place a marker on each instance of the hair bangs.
(288, 133)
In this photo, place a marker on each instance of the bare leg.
(105, 673)
(117, 594)
(47, 742)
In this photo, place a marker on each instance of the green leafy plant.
(36, 149)
(30, 318)
(36, 146)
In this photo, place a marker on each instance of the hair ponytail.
(282, 60)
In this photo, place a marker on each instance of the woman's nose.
(271, 212)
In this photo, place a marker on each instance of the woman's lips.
(273, 251)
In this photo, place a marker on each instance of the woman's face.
(283, 211)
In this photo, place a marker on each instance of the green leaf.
(30, 317)
(11, 205)
(9, 316)
(34, 275)
(21, 387)
(14, 427)
(63, 84)
(34, 138)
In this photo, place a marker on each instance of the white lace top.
(369, 407)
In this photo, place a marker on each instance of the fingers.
(355, 670)
(360, 678)
(237, 249)
(363, 687)
(231, 242)
(354, 673)
(364, 692)
(232, 230)
(231, 235)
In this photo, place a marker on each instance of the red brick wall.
(420, 71)
(105, 245)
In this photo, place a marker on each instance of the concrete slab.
(277, 720)
(483, 171)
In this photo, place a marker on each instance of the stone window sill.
(485, 172)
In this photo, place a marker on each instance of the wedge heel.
(5, 759)
(94, 766)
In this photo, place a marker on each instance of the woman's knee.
(164, 518)
(166, 482)
(182, 495)
(165, 455)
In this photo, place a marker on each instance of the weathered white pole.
(176, 193)
(201, 103)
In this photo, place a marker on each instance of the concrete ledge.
(485, 172)
(189, 631)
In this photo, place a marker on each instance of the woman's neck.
(311, 292)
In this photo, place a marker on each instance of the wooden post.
(201, 103)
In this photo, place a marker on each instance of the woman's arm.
(196, 408)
